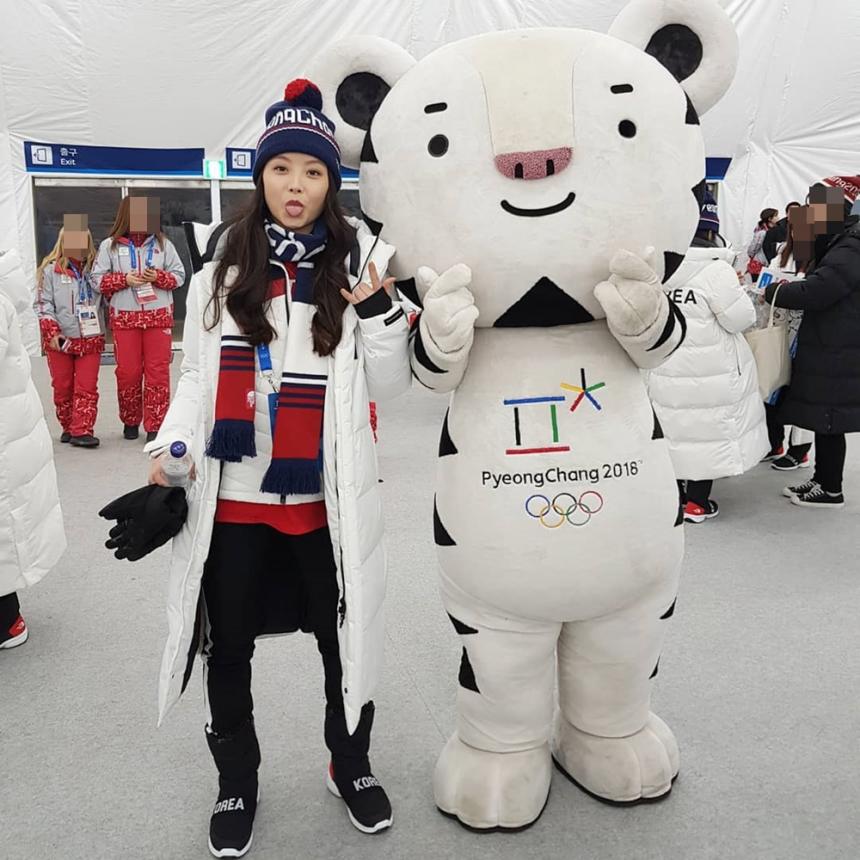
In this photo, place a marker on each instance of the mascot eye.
(438, 145)
(626, 128)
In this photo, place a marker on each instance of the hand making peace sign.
(363, 291)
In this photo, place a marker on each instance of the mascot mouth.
(538, 213)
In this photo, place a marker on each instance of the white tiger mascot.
(538, 185)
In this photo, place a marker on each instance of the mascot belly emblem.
(538, 185)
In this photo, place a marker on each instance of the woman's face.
(826, 210)
(802, 232)
(75, 243)
(144, 215)
(295, 187)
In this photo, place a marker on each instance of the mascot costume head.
(539, 185)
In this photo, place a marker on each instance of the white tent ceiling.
(195, 73)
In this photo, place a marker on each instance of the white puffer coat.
(371, 362)
(32, 538)
(706, 395)
(13, 282)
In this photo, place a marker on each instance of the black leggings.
(830, 461)
(699, 492)
(776, 434)
(237, 583)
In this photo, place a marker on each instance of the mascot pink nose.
(537, 164)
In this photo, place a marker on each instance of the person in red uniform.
(137, 269)
(71, 320)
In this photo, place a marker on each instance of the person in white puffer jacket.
(32, 538)
(13, 282)
(290, 330)
(706, 395)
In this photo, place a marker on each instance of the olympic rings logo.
(564, 508)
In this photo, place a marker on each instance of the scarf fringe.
(292, 477)
(231, 440)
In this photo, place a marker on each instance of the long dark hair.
(788, 251)
(766, 215)
(247, 248)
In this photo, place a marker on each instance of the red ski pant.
(75, 379)
(143, 375)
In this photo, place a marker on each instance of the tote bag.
(770, 349)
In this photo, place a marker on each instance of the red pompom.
(303, 93)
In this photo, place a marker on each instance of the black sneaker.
(799, 490)
(790, 464)
(151, 435)
(774, 454)
(237, 757)
(130, 431)
(65, 436)
(366, 802)
(818, 497)
(231, 827)
(88, 441)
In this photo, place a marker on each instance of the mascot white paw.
(491, 790)
(623, 771)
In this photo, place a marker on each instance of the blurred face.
(295, 188)
(75, 236)
(144, 215)
(826, 210)
(802, 232)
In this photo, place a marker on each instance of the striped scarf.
(296, 461)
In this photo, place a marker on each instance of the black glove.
(146, 519)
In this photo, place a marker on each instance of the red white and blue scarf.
(296, 462)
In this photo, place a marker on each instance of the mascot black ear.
(354, 76)
(694, 39)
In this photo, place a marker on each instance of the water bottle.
(177, 464)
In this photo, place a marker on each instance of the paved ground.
(759, 680)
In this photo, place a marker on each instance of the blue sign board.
(124, 160)
(717, 168)
(240, 164)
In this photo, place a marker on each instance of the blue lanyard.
(85, 292)
(264, 356)
(132, 253)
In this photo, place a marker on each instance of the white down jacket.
(371, 362)
(13, 282)
(32, 538)
(706, 395)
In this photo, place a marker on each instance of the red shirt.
(287, 519)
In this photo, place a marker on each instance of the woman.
(71, 319)
(755, 251)
(32, 538)
(706, 394)
(791, 263)
(824, 395)
(137, 270)
(284, 343)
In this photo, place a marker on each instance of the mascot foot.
(488, 791)
(621, 771)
